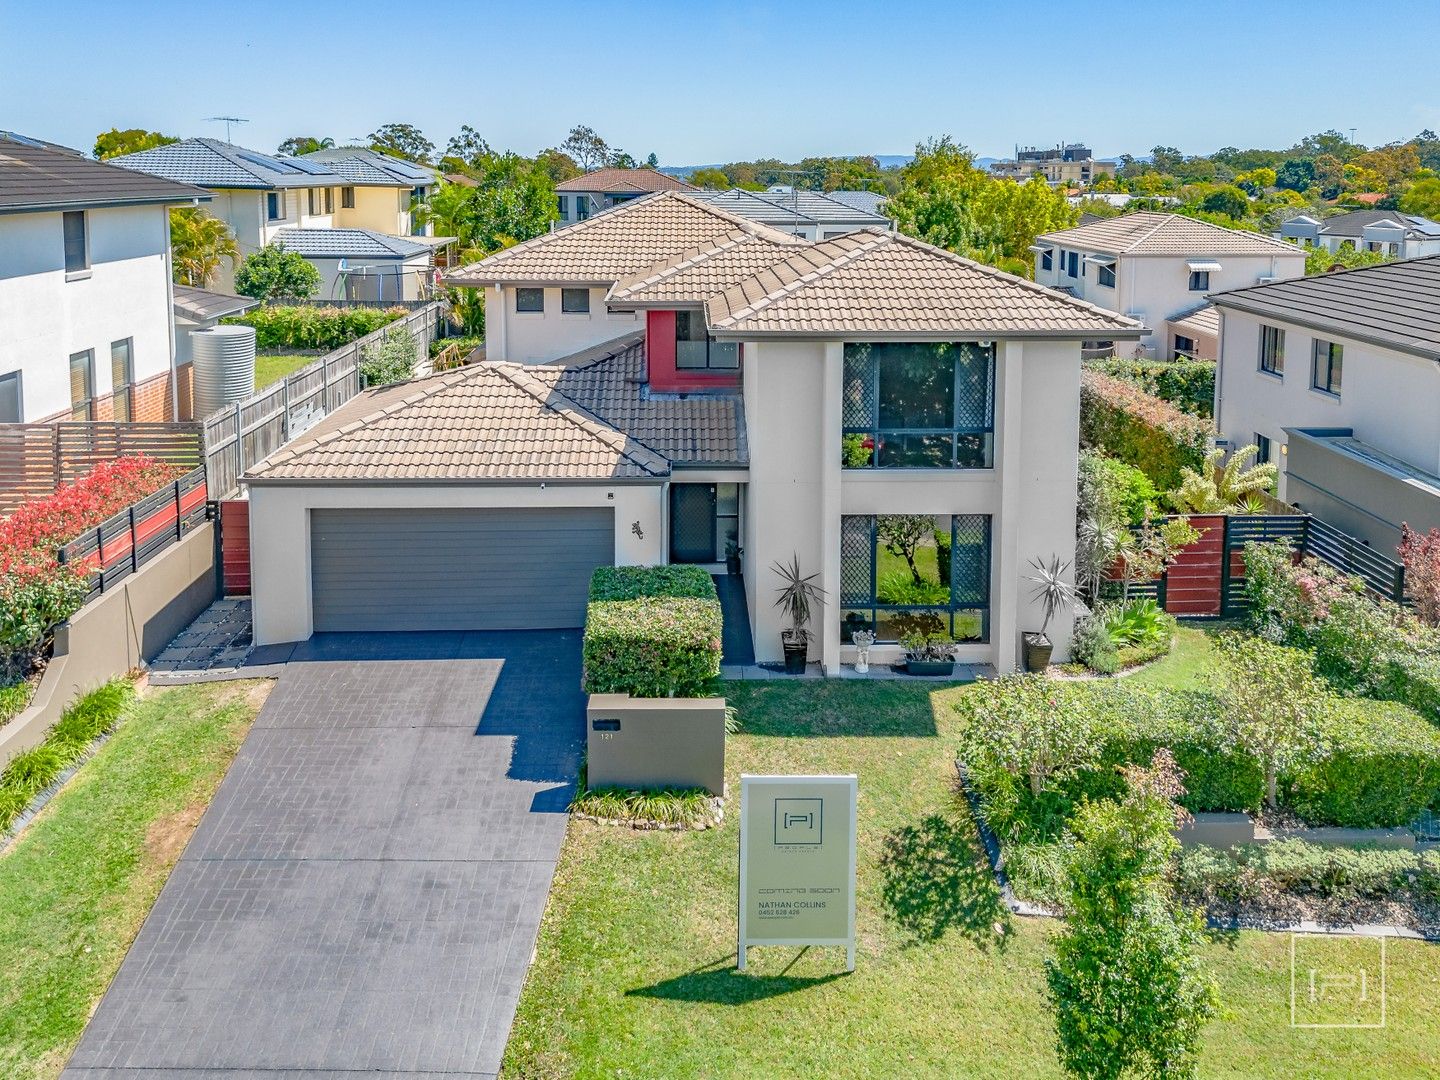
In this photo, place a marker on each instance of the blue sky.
(714, 82)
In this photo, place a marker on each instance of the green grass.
(76, 885)
(1190, 665)
(634, 975)
(272, 367)
(14, 697)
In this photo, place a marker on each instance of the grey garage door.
(455, 569)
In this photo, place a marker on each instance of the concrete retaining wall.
(117, 632)
(640, 743)
(1225, 830)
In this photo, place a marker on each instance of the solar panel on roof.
(310, 167)
(404, 168)
(273, 164)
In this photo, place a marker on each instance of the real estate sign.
(797, 862)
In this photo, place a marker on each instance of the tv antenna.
(228, 120)
(1352, 136)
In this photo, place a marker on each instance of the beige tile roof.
(624, 180)
(1203, 321)
(490, 421)
(614, 244)
(1149, 233)
(880, 285)
(699, 273)
(694, 428)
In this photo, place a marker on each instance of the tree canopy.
(402, 141)
(513, 199)
(114, 143)
(198, 241)
(272, 273)
(304, 144)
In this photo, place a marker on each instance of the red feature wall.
(660, 354)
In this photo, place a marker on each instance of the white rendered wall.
(525, 337)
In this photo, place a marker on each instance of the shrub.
(467, 343)
(1207, 875)
(634, 582)
(1142, 623)
(652, 647)
(1186, 384)
(389, 360)
(1420, 552)
(274, 273)
(1091, 645)
(1152, 435)
(661, 806)
(304, 326)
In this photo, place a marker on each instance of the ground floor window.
(908, 573)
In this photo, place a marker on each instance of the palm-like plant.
(1052, 588)
(798, 592)
(1223, 491)
(198, 241)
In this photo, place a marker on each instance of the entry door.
(692, 523)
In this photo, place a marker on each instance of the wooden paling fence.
(36, 459)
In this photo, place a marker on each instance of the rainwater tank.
(223, 368)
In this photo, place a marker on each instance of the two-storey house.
(1158, 269)
(584, 196)
(86, 320)
(730, 385)
(810, 215)
(1337, 378)
(1400, 236)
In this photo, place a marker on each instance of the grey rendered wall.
(1367, 503)
(658, 743)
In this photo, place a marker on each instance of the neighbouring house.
(1158, 269)
(264, 196)
(810, 215)
(362, 264)
(1336, 378)
(86, 330)
(870, 202)
(798, 400)
(1401, 236)
(1195, 334)
(1067, 165)
(584, 196)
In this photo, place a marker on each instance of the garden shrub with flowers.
(1120, 418)
(36, 590)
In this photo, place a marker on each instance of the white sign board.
(797, 862)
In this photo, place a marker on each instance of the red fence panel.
(235, 546)
(1193, 583)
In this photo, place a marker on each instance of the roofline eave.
(1223, 300)
(452, 481)
(107, 204)
(998, 334)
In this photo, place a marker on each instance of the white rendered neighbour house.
(1337, 379)
(726, 384)
(86, 326)
(1158, 269)
(1389, 232)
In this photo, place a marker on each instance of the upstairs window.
(695, 350)
(347, 198)
(1072, 263)
(1199, 280)
(1272, 350)
(1325, 366)
(1105, 274)
(575, 301)
(77, 246)
(1047, 259)
(564, 207)
(322, 200)
(922, 405)
(530, 300)
(275, 206)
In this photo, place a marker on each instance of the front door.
(692, 523)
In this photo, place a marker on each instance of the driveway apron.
(363, 895)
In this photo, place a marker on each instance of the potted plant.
(733, 551)
(928, 654)
(1055, 593)
(797, 592)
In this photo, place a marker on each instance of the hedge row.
(1250, 873)
(652, 631)
(1187, 384)
(304, 327)
(1154, 436)
(1382, 765)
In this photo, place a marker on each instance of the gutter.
(1118, 333)
(446, 482)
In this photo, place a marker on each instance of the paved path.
(362, 896)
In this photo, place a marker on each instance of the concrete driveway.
(364, 892)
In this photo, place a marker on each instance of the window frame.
(87, 403)
(563, 205)
(1265, 449)
(347, 197)
(1047, 259)
(565, 298)
(277, 201)
(525, 291)
(1334, 353)
(849, 603)
(1199, 281)
(18, 378)
(877, 433)
(1272, 361)
(1102, 271)
(716, 360)
(73, 272)
(123, 390)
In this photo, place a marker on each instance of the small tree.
(1420, 552)
(901, 534)
(1129, 992)
(273, 273)
(586, 148)
(1272, 704)
(402, 141)
(1022, 728)
(389, 360)
(1214, 490)
(198, 241)
(1150, 552)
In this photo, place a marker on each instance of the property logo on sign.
(797, 862)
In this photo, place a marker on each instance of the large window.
(531, 300)
(919, 405)
(575, 301)
(695, 350)
(1325, 366)
(907, 573)
(122, 378)
(82, 385)
(275, 206)
(1272, 350)
(77, 251)
(322, 200)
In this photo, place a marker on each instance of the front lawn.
(634, 974)
(77, 884)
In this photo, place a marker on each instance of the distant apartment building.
(1066, 165)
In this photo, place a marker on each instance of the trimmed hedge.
(634, 582)
(302, 326)
(1382, 766)
(1186, 384)
(1208, 875)
(652, 647)
(1154, 436)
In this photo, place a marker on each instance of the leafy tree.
(1129, 991)
(272, 273)
(586, 148)
(712, 178)
(513, 199)
(1256, 181)
(1023, 730)
(1226, 200)
(1272, 704)
(1319, 260)
(304, 144)
(1327, 144)
(1166, 159)
(115, 142)
(1423, 198)
(1329, 175)
(1297, 174)
(402, 141)
(619, 159)
(1393, 164)
(1214, 490)
(467, 146)
(198, 241)
(651, 161)
(902, 534)
(389, 360)
(557, 164)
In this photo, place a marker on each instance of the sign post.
(797, 862)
